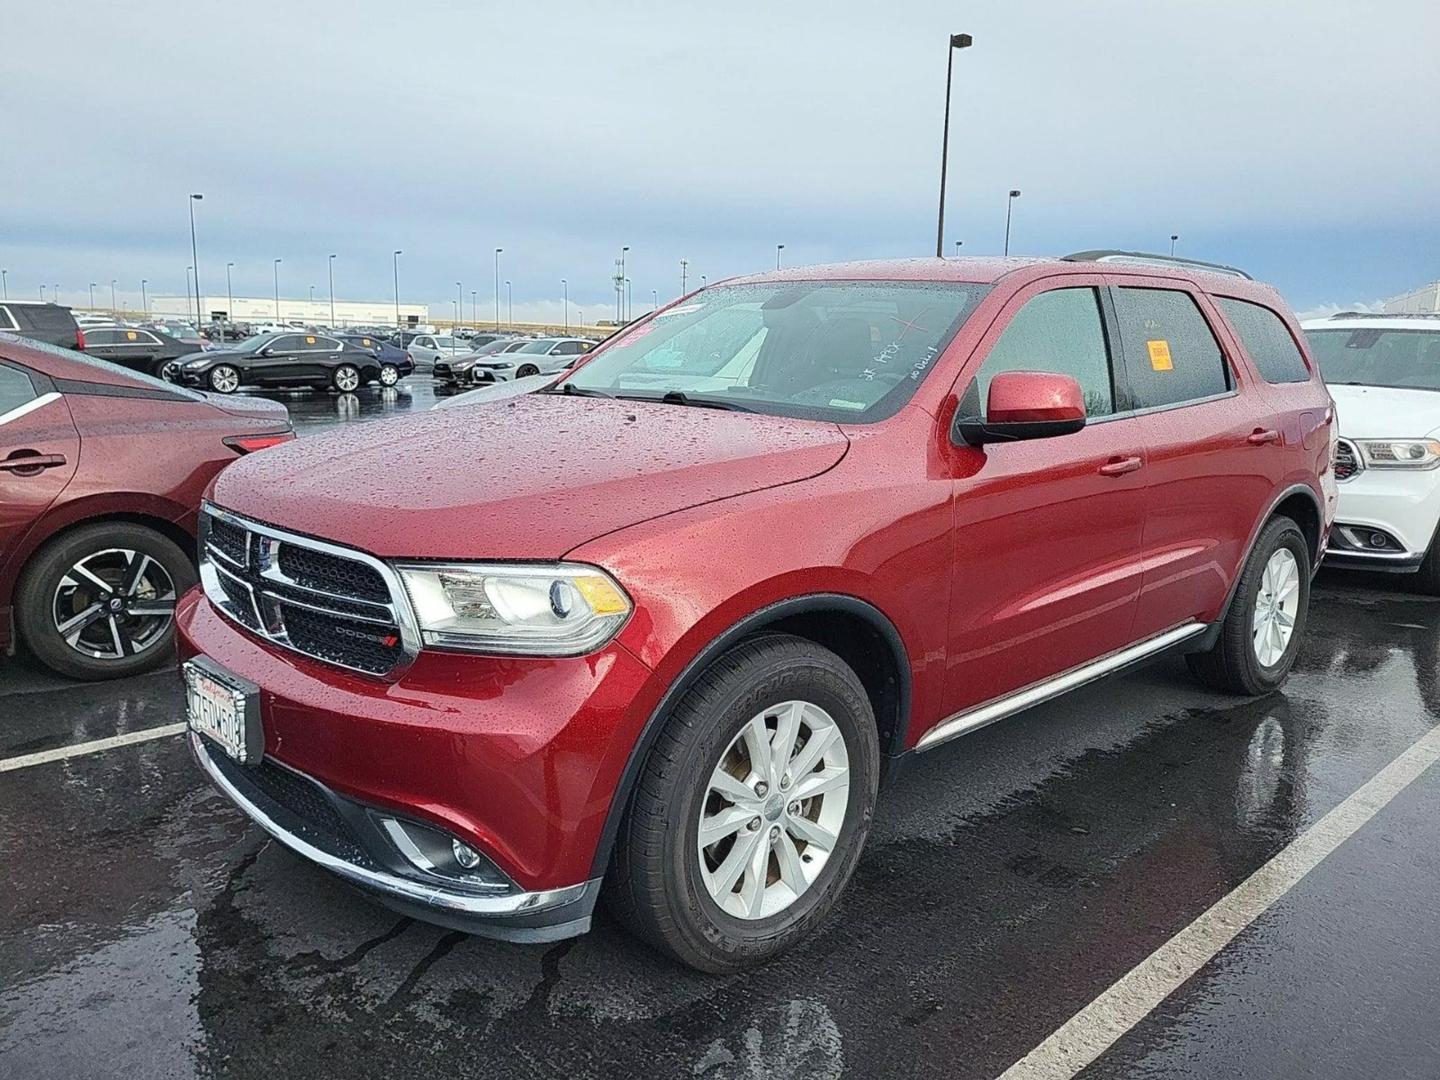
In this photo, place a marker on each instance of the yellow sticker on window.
(365, 341)
(309, 341)
(1160, 355)
(131, 335)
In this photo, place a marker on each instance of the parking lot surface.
(1012, 877)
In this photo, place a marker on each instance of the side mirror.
(1020, 405)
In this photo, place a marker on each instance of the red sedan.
(101, 473)
(663, 625)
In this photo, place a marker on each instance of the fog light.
(465, 855)
(1379, 540)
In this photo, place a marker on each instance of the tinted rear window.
(1171, 355)
(45, 317)
(1267, 339)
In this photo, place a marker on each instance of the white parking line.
(1091, 1031)
(93, 747)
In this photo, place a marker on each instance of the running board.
(964, 722)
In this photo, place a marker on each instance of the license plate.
(225, 709)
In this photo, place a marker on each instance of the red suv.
(663, 632)
(101, 473)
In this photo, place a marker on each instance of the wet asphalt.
(146, 930)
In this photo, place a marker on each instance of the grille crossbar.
(330, 603)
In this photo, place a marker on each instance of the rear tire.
(346, 379)
(43, 600)
(1248, 658)
(389, 375)
(668, 889)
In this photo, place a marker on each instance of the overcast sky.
(1298, 138)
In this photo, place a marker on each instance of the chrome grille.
(1347, 461)
(327, 602)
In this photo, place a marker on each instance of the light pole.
(92, 296)
(42, 291)
(702, 281)
(277, 290)
(1173, 238)
(312, 294)
(114, 310)
(195, 256)
(498, 252)
(629, 301)
(229, 294)
(565, 302)
(654, 299)
(957, 41)
(330, 264)
(144, 299)
(459, 310)
(4, 283)
(957, 247)
(1009, 205)
(399, 328)
(684, 274)
(620, 288)
(509, 306)
(189, 297)
(779, 249)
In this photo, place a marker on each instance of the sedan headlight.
(531, 610)
(1400, 453)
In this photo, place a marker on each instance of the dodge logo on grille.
(388, 640)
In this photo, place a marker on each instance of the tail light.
(248, 444)
(80, 339)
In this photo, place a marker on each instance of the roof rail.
(1145, 258)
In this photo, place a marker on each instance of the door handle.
(1261, 436)
(23, 463)
(1120, 466)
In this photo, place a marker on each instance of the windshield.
(541, 346)
(1405, 359)
(846, 351)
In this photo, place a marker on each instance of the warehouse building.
(264, 309)
(1422, 301)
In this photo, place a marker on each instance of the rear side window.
(15, 389)
(102, 337)
(48, 317)
(7, 321)
(1058, 331)
(1171, 355)
(1267, 339)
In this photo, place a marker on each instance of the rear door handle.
(1261, 436)
(32, 462)
(1120, 466)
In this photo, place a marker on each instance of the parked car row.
(502, 359)
(277, 360)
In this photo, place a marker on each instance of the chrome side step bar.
(981, 715)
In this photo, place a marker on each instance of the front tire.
(526, 370)
(1263, 627)
(752, 808)
(224, 379)
(98, 602)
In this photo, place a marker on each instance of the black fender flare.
(754, 622)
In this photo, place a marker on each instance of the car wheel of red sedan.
(224, 379)
(752, 809)
(99, 602)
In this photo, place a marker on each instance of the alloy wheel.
(773, 810)
(224, 379)
(346, 378)
(113, 603)
(389, 375)
(1276, 607)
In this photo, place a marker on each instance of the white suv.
(1384, 373)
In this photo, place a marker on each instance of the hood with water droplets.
(528, 478)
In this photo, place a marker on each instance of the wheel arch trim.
(752, 623)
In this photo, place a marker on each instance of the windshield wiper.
(570, 389)
(679, 397)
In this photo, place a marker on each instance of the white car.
(1384, 373)
(542, 356)
(425, 349)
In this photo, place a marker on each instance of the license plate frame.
(224, 709)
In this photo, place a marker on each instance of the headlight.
(1400, 453)
(555, 610)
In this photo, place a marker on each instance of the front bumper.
(331, 831)
(518, 758)
(1401, 504)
